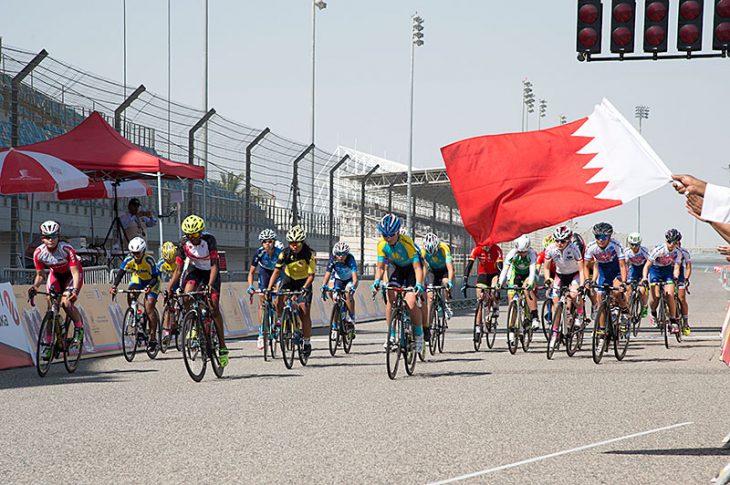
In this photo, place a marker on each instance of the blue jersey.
(609, 258)
(260, 258)
(342, 271)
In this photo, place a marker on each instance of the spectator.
(136, 222)
(28, 256)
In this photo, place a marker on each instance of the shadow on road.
(58, 376)
(674, 452)
(258, 376)
(433, 375)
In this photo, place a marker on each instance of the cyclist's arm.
(546, 268)
(688, 271)
(379, 270)
(505, 273)
(213, 272)
(676, 271)
(175, 276)
(40, 275)
(467, 268)
(647, 265)
(251, 272)
(274, 278)
(582, 272)
(119, 277)
(450, 270)
(327, 277)
(622, 268)
(76, 275)
(418, 269)
(354, 279)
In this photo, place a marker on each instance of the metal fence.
(18, 276)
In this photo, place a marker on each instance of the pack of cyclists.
(595, 268)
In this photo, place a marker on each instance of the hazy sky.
(468, 75)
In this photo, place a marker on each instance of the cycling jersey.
(661, 256)
(608, 259)
(342, 271)
(488, 259)
(59, 260)
(163, 267)
(518, 265)
(636, 258)
(686, 257)
(403, 253)
(541, 260)
(297, 266)
(438, 261)
(201, 255)
(262, 259)
(566, 261)
(145, 270)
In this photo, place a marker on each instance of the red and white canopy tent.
(95, 148)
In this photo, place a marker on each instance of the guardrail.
(18, 276)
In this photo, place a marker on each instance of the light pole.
(528, 102)
(542, 113)
(315, 5)
(563, 119)
(416, 40)
(641, 113)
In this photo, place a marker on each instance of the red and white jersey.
(59, 261)
(636, 258)
(661, 256)
(566, 261)
(199, 255)
(487, 259)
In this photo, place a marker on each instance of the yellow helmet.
(168, 251)
(296, 234)
(193, 224)
(548, 240)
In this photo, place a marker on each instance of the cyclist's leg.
(150, 303)
(215, 312)
(669, 292)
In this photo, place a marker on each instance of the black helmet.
(673, 236)
(603, 229)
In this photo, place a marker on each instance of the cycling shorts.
(681, 279)
(486, 279)
(288, 284)
(265, 277)
(138, 284)
(63, 282)
(341, 284)
(636, 274)
(403, 276)
(606, 276)
(435, 276)
(199, 277)
(566, 280)
(661, 273)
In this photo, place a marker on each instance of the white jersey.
(59, 261)
(608, 257)
(661, 256)
(685, 256)
(636, 258)
(566, 261)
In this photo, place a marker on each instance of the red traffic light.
(623, 12)
(623, 17)
(588, 14)
(721, 29)
(689, 26)
(589, 26)
(656, 11)
(656, 19)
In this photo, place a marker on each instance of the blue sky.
(468, 75)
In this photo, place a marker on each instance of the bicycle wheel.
(274, 332)
(72, 350)
(678, 312)
(41, 365)
(546, 318)
(287, 339)
(441, 329)
(635, 311)
(163, 342)
(265, 329)
(622, 334)
(177, 324)
(433, 324)
(300, 346)
(129, 336)
(574, 334)
(556, 320)
(194, 346)
(490, 323)
(526, 337)
(479, 326)
(409, 348)
(334, 335)
(215, 347)
(513, 325)
(152, 354)
(663, 317)
(393, 350)
(600, 332)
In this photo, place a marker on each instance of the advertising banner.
(15, 350)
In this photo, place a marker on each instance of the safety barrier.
(19, 276)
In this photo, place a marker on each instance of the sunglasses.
(268, 241)
(388, 236)
(195, 234)
(295, 244)
(341, 255)
(601, 238)
(137, 253)
(50, 236)
(564, 241)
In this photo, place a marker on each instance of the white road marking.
(559, 453)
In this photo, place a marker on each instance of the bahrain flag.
(516, 183)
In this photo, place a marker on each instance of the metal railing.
(18, 276)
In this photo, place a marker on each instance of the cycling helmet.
(673, 236)
(578, 241)
(522, 243)
(296, 234)
(563, 233)
(341, 248)
(389, 225)
(603, 229)
(547, 241)
(137, 245)
(431, 243)
(168, 251)
(634, 238)
(267, 235)
(193, 224)
(49, 228)
(279, 244)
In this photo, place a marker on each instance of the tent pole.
(159, 210)
(30, 228)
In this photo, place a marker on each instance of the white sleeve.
(506, 268)
(716, 204)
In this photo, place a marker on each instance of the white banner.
(15, 350)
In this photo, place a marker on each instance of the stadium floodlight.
(416, 41)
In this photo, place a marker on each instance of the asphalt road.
(656, 417)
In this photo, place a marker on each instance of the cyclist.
(489, 267)
(145, 276)
(569, 269)
(683, 284)
(546, 241)
(520, 268)
(166, 266)
(401, 252)
(201, 250)
(296, 266)
(265, 259)
(663, 265)
(636, 256)
(440, 267)
(343, 266)
(609, 267)
(66, 276)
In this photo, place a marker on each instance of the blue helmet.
(389, 225)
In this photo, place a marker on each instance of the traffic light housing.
(721, 26)
(590, 17)
(656, 21)
(623, 19)
(689, 28)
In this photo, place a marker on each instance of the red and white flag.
(516, 183)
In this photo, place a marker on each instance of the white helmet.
(431, 243)
(137, 245)
(341, 248)
(634, 238)
(522, 243)
(266, 235)
(49, 228)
